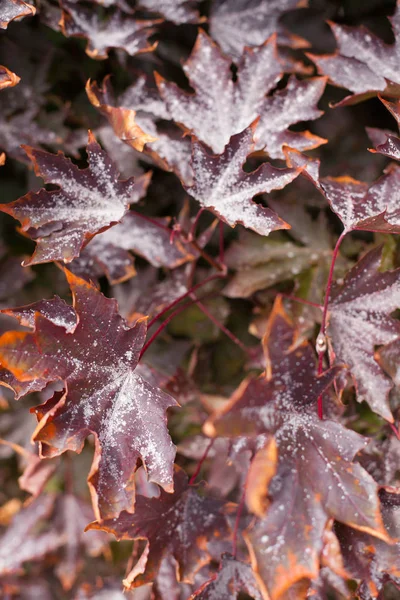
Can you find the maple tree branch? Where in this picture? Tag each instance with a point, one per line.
(192, 231)
(207, 257)
(185, 295)
(186, 238)
(321, 339)
(201, 461)
(168, 320)
(302, 301)
(222, 327)
(395, 430)
(152, 221)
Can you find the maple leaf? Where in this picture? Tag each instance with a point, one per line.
(16, 427)
(332, 576)
(390, 144)
(141, 107)
(233, 577)
(235, 24)
(88, 201)
(122, 120)
(124, 156)
(19, 544)
(362, 207)
(363, 63)
(117, 30)
(388, 358)
(359, 319)
(14, 9)
(295, 103)
(372, 561)
(102, 395)
(146, 295)
(149, 238)
(220, 183)
(261, 262)
(36, 471)
(239, 104)
(166, 584)
(71, 515)
(13, 277)
(224, 470)
(18, 125)
(191, 519)
(55, 310)
(7, 78)
(59, 313)
(177, 11)
(285, 543)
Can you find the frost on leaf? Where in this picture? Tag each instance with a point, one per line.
(237, 105)
(7, 78)
(315, 477)
(56, 310)
(295, 103)
(232, 578)
(117, 30)
(359, 319)
(176, 11)
(363, 63)
(221, 184)
(109, 251)
(19, 544)
(190, 519)
(234, 105)
(366, 208)
(61, 222)
(235, 24)
(14, 9)
(103, 395)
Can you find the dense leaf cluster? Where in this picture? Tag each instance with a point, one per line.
(199, 332)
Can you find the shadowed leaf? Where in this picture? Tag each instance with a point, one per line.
(233, 577)
(190, 518)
